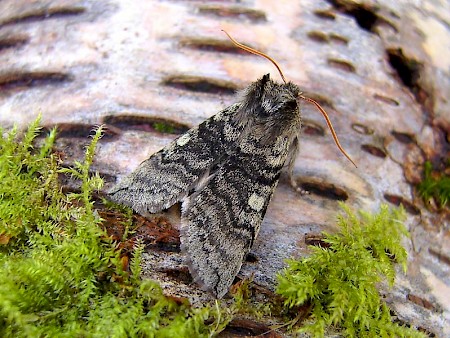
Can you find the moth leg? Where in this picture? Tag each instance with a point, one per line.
(293, 152)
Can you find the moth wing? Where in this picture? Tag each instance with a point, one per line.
(222, 219)
(168, 175)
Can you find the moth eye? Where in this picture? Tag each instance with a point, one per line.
(291, 105)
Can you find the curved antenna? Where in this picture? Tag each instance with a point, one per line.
(330, 126)
(257, 52)
(324, 113)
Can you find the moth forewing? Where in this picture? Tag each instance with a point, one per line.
(168, 175)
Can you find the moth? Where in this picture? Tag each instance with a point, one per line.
(224, 171)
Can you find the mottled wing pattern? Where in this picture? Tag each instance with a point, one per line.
(168, 175)
(225, 171)
(221, 220)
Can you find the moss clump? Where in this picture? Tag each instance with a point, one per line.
(28, 193)
(435, 185)
(60, 275)
(339, 282)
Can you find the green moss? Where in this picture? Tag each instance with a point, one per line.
(28, 193)
(164, 128)
(60, 275)
(435, 185)
(339, 283)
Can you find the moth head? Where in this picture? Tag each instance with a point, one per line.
(277, 96)
(269, 109)
(276, 101)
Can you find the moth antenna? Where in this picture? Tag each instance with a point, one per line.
(330, 126)
(257, 52)
(324, 113)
